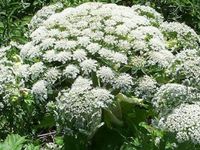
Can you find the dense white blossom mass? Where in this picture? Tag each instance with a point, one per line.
(185, 122)
(81, 58)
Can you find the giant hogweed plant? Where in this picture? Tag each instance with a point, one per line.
(110, 75)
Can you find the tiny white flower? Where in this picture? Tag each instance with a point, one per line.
(71, 71)
(81, 84)
(122, 30)
(39, 89)
(47, 43)
(83, 41)
(63, 56)
(23, 71)
(50, 56)
(124, 82)
(105, 74)
(52, 75)
(36, 69)
(79, 55)
(119, 58)
(88, 65)
(93, 48)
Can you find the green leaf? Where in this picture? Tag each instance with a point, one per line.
(132, 100)
(152, 130)
(47, 121)
(13, 142)
(59, 140)
(32, 147)
(109, 118)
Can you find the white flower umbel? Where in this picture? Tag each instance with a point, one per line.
(81, 111)
(83, 41)
(47, 43)
(22, 71)
(44, 14)
(93, 48)
(119, 58)
(106, 53)
(171, 95)
(88, 65)
(81, 84)
(102, 97)
(179, 36)
(63, 56)
(147, 38)
(79, 55)
(186, 64)
(106, 74)
(6, 78)
(29, 51)
(161, 58)
(50, 56)
(36, 69)
(184, 121)
(146, 87)
(71, 71)
(123, 82)
(39, 89)
(39, 34)
(77, 113)
(52, 75)
(186, 54)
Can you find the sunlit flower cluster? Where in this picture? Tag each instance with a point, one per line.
(179, 36)
(43, 14)
(186, 68)
(185, 122)
(81, 106)
(8, 83)
(149, 12)
(89, 47)
(170, 95)
(79, 59)
(146, 87)
(92, 41)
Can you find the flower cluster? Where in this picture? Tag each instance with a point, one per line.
(81, 106)
(146, 87)
(44, 14)
(170, 95)
(185, 67)
(15, 97)
(79, 59)
(149, 12)
(185, 122)
(85, 50)
(179, 36)
(93, 41)
(8, 83)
